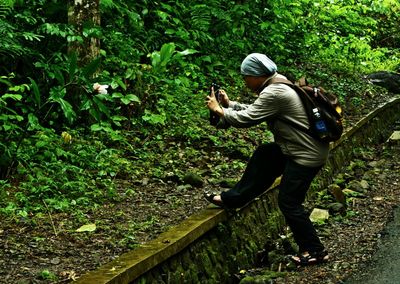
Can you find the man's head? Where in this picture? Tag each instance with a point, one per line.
(256, 68)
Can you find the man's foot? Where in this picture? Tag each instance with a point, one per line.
(214, 199)
(309, 258)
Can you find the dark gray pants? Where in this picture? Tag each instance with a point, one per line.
(266, 164)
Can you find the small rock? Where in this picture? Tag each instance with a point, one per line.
(172, 176)
(145, 181)
(184, 187)
(382, 176)
(394, 138)
(55, 261)
(193, 179)
(373, 164)
(352, 193)
(319, 215)
(356, 186)
(337, 192)
(378, 198)
(364, 184)
(370, 175)
(336, 207)
(345, 265)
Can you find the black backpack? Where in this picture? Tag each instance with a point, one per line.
(323, 110)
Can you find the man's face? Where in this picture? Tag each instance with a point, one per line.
(253, 82)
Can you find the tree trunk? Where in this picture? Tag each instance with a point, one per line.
(84, 14)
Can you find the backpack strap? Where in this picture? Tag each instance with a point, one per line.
(303, 82)
(303, 97)
(275, 80)
(297, 87)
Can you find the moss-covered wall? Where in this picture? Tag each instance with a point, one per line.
(374, 128)
(229, 247)
(209, 247)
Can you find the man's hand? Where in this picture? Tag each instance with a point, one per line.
(223, 98)
(213, 104)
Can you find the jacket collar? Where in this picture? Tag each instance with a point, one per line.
(265, 83)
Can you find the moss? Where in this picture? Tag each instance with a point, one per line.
(264, 277)
(153, 277)
(205, 262)
(177, 276)
(212, 255)
(175, 264)
(186, 259)
(194, 274)
(274, 223)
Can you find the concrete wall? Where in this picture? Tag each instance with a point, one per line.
(210, 246)
(225, 249)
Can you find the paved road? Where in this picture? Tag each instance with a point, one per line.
(385, 265)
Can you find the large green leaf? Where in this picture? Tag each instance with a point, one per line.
(91, 68)
(15, 97)
(102, 107)
(36, 93)
(161, 58)
(87, 228)
(187, 52)
(67, 109)
(166, 52)
(130, 98)
(33, 122)
(73, 65)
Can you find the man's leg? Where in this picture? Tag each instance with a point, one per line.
(266, 164)
(292, 193)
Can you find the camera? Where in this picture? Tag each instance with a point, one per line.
(214, 118)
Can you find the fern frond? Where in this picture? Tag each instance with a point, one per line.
(200, 17)
(9, 44)
(4, 10)
(109, 4)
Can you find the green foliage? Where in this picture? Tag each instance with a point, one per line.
(13, 40)
(158, 58)
(64, 174)
(338, 33)
(48, 275)
(11, 122)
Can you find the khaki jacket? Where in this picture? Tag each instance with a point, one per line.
(279, 101)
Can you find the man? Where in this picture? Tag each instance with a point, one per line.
(294, 154)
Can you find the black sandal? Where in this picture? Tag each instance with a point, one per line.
(210, 198)
(310, 258)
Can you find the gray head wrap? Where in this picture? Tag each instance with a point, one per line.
(257, 64)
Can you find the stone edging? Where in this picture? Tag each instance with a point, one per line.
(175, 254)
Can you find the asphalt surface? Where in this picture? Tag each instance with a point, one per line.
(384, 267)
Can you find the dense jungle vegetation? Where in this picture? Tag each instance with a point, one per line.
(65, 147)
